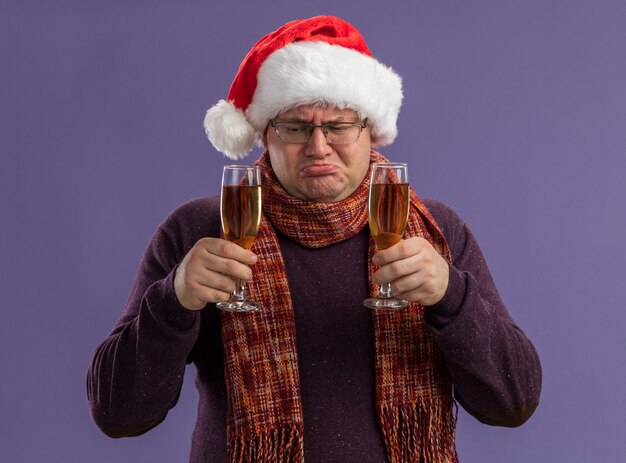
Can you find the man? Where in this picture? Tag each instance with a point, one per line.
(313, 375)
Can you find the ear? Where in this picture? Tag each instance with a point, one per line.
(373, 141)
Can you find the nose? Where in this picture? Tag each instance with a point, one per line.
(317, 145)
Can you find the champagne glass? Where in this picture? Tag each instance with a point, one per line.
(388, 213)
(240, 211)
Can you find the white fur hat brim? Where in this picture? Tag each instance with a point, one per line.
(310, 72)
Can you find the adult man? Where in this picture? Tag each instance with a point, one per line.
(353, 385)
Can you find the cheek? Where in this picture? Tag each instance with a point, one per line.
(362, 173)
(274, 153)
(282, 166)
(359, 164)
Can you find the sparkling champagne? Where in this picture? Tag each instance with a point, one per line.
(241, 213)
(388, 212)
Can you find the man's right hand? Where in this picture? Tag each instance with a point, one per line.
(208, 272)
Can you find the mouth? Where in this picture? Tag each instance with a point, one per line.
(316, 170)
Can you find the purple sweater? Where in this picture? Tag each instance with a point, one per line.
(137, 372)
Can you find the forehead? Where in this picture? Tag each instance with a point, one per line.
(308, 112)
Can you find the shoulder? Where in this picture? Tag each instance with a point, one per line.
(194, 219)
(451, 225)
(196, 207)
(447, 219)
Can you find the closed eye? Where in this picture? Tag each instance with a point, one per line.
(339, 129)
(296, 128)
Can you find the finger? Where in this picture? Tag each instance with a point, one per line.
(201, 260)
(194, 290)
(215, 281)
(422, 286)
(204, 295)
(212, 295)
(412, 296)
(396, 269)
(409, 283)
(420, 295)
(225, 266)
(401, 250)
(228, 250)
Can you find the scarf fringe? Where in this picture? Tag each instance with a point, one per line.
(275, 446)
(419, 432)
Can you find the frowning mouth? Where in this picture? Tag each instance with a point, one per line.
(315, 170)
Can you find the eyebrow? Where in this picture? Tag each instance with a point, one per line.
(332, 121)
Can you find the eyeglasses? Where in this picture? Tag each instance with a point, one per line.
(337, 133)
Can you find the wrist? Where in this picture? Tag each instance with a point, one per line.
(443, 311)
(170, 307)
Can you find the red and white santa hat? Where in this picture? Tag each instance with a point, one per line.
(317, 60)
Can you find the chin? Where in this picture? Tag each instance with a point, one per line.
(320, 189)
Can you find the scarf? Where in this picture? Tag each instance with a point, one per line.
(414, 404)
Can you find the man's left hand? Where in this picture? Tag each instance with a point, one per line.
(415, 269)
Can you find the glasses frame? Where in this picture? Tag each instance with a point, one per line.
(325, 127)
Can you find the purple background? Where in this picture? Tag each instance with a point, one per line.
(514, 114)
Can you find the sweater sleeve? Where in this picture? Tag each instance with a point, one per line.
(137, 372)
(494, 367)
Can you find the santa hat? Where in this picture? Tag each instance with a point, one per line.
(317, 60)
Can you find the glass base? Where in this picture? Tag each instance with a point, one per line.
(382, 303)
(238, 306)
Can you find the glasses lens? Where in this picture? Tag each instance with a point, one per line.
(294, 133)
(339, 134)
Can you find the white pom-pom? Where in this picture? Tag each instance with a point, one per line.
(228, 130)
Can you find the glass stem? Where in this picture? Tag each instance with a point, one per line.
(385, 291)
(238, 293)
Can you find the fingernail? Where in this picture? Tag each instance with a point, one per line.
(376, 260)
(253, 260)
